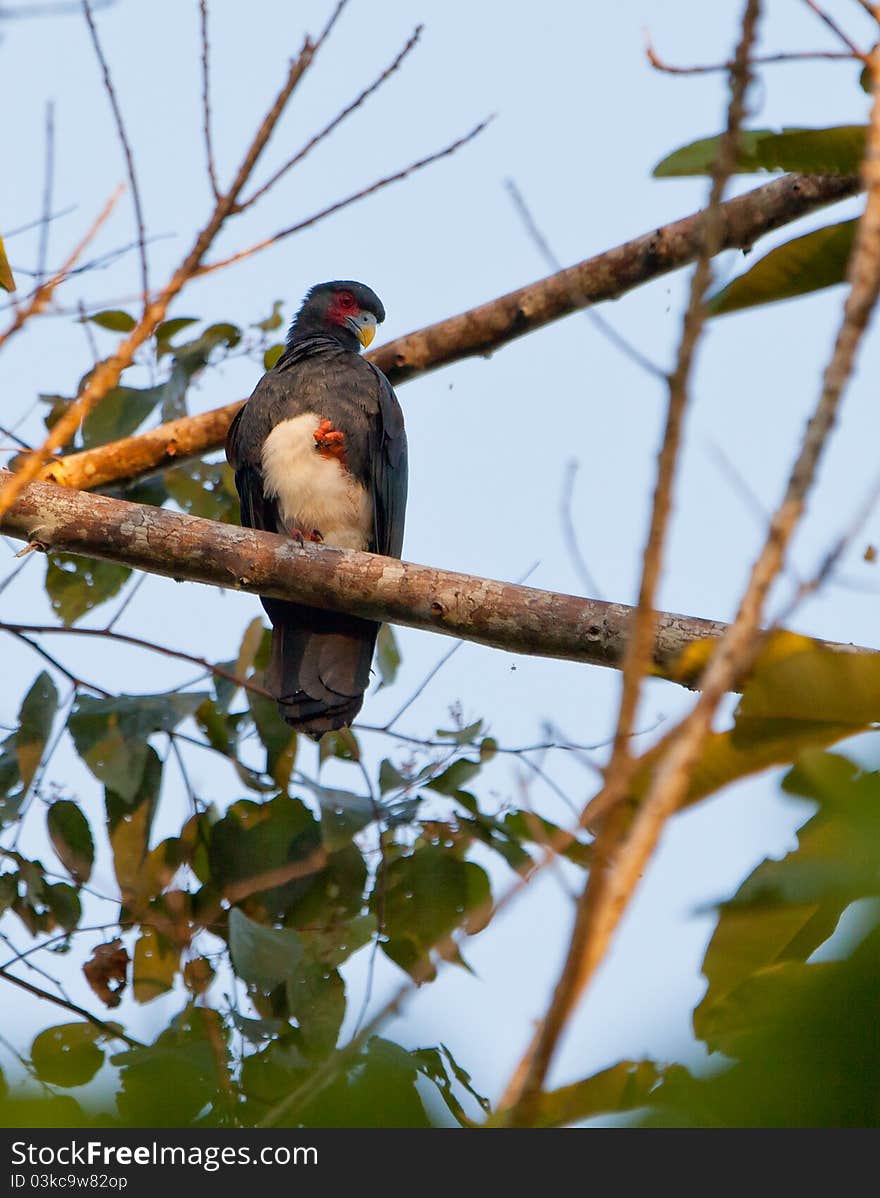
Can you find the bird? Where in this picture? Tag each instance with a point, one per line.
(320, 454)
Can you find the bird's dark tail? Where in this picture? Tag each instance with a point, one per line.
(319, 667)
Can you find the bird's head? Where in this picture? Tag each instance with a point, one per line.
(343, 309)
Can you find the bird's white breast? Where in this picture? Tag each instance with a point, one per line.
(314, 492)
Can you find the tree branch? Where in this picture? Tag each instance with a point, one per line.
(486, 328)
(499, 614)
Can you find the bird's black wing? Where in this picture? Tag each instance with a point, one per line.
(389, 471)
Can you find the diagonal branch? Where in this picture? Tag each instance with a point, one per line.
(501, 615)
(106, 374)
(580, 960)
(482, 330)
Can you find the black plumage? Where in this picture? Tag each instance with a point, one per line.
(320, 661)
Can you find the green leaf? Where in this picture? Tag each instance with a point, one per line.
(747, 942)
(7, 282)
(119, 414)
(699, 157)
(343, 745)
(527, 826)
(805, 264)
(832, 151)
(169, 328)
(63, 901)
(193, 355)
(787, 908)
(35, 720)
(455, 776)
(379, 1089)
(254, 838)
(316, 1000)
(110, 735)
(114, 319)
(77, 584)
(272, 322)
(147, 796)
(169, 1082)
(390, 777)
(462, 736)
(422, 898)
(156, 963)
(272, 354)
(387, 655)
(12, 793)
(71, 838)
(623, 1087)
(277, 736)
(343, 815)
(797, 679)
(440, 1066)
(262, 955)
(336, 942)
(67, 1055)
(204, 489)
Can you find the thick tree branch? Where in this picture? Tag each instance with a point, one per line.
(486, 328)
(499, 614)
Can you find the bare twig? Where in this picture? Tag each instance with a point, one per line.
(107, 373)
(206, 98)
(21, 630)
(112, 1031)
(337, 120)
(371, 189)
(48, 181)
(836, 30)
(126, 148)
(605, 327)
(43, 293)
(570, 534)
(760, 60)
(55, 663)
(587, 944)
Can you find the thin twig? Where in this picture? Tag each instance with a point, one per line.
(106, 374)
(48, 182)
(206, 99)
(586, 944)
(605, 327)
(55, 663)
(836, 30)
(111, 1030)
(378, 185)
(337, 120)
(126, 149)
(42, 294)
(570, 535)
(759, 61)
(132, 591)
(139, 642)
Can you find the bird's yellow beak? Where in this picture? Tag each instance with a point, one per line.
(366, 333)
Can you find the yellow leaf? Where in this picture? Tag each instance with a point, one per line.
(7, 282)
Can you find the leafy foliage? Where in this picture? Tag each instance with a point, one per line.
(834, 151)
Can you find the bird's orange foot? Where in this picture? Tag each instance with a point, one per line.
(301, 537)
(330, 442)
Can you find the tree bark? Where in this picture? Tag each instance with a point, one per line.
(486, 328)
(499, 614)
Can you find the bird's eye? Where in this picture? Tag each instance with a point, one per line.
(346, 299)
